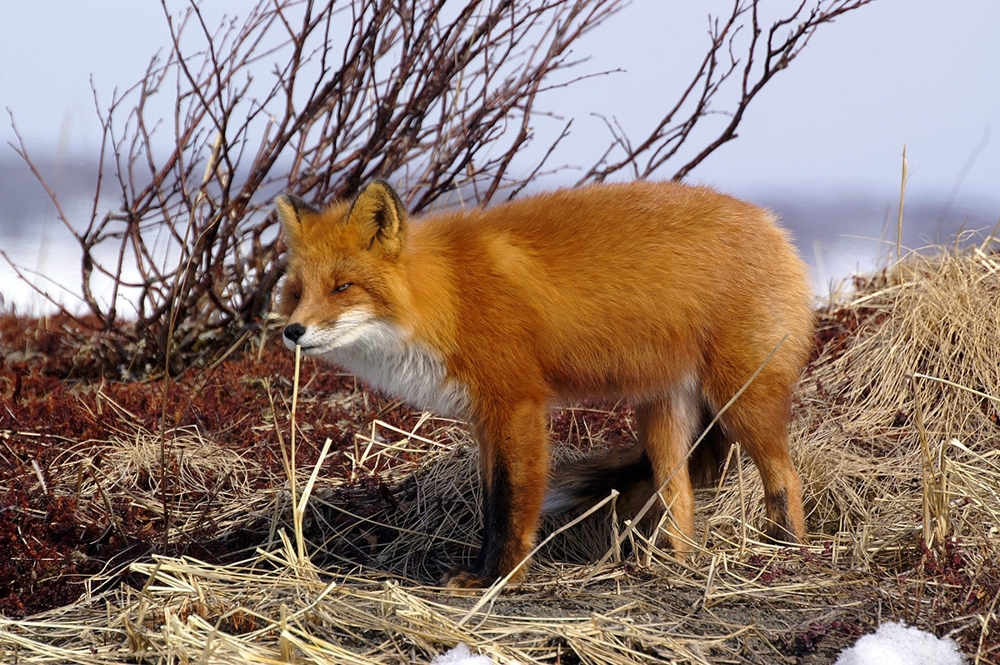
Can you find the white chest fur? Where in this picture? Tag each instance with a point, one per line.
(385, 357)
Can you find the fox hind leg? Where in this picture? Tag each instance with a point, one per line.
(759, 421)
(667, 426)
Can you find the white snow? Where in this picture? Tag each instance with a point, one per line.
(899, 644)
(460, 655)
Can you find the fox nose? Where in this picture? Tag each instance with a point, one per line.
(294, 332)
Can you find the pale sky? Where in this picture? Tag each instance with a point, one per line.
(918, 72)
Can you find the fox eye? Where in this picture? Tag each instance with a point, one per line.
(343, 287)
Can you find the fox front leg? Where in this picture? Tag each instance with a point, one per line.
(514, 469)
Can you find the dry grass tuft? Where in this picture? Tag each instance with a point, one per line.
(206, 480)
(896, 434)
(899, 417)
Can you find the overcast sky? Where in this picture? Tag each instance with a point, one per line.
(923, 73)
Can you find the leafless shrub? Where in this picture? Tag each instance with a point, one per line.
(746, 62)
(439, 96)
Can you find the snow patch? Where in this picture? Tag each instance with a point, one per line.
(899, 644)
(460, 655)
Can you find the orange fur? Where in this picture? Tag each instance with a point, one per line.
(666, 294)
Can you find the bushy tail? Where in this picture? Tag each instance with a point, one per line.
(579, 484)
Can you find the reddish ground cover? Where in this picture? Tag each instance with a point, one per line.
(53, 397)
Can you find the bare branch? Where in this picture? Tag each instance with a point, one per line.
(319, 96)
(737, 44)
(436, 96)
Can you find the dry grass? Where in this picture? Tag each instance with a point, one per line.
(896, 434)
(901, 417)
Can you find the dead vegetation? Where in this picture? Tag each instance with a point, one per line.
(896, 435)
(176, 521)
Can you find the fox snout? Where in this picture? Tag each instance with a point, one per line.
(293, 333)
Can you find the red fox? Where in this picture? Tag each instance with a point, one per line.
(668, 295)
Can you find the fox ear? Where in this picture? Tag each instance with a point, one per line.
(291, 212)
(380, 216)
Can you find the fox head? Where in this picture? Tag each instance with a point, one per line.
(343, 282)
